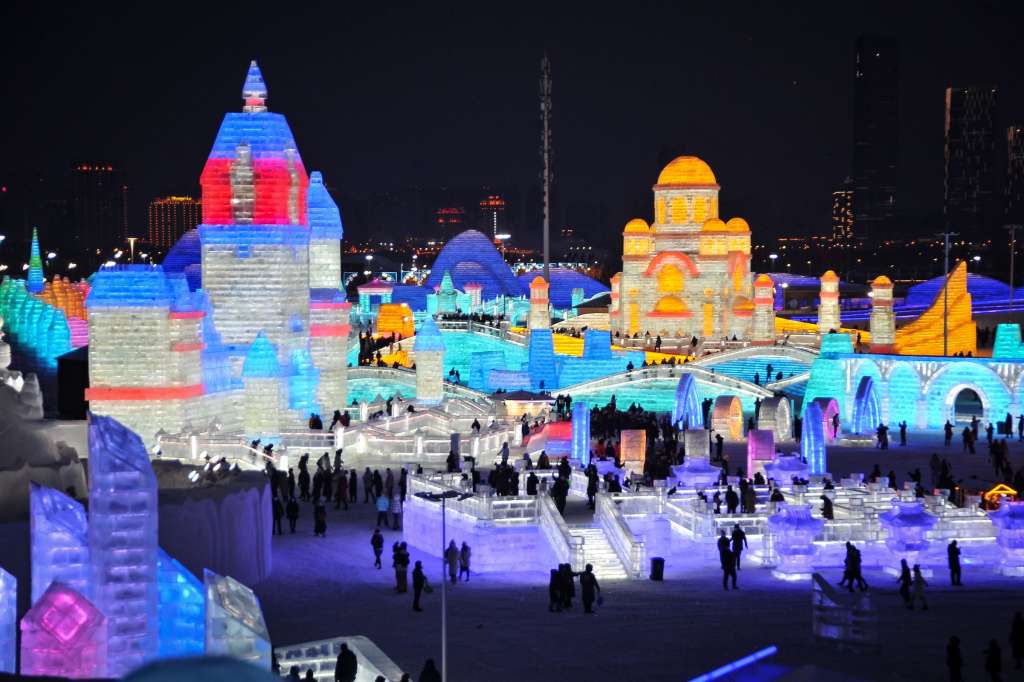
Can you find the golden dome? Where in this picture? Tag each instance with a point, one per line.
(881, 281)
(636, 225)
(830, 276)
(687, 170)
(763, 281)
(737, 225)
(713, 225)
(539, 283)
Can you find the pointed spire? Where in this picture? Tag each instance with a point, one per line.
(254, 91)
(36, 281)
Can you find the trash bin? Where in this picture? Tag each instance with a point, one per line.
(657, 568)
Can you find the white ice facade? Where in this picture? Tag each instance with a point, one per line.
(164, 357)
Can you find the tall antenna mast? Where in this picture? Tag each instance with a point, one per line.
(545, 150)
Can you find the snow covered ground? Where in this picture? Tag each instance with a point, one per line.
(499, 627)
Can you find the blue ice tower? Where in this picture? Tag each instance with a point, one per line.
(542, 360)
(8, 622)
(234, 621)
(581, 432)
(123, 542)
(60, 542)
(181, 610)
(812, 441)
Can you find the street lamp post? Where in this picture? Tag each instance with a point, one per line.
(442, 498)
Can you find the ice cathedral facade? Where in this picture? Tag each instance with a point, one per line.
(687, 273)
(163, 356)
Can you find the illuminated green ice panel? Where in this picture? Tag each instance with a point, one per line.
(460, 347)
(746, 368)
(367, 389)
(656, 395)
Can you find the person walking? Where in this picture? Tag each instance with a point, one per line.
(382, 510)
(555, 591)
(341, 491)
(739, 543)
(451, 557)
(347, 667)
(589, 588)
(353, 486)
(947, 431)
(292, 512)
(953, 554)
(994, 661)
(396, 513)
(903, 434)
(1017, 640)
(728, 570)
(954, 661)
(906, 581)
(377, 542)
(320, 518)
(732, 500)
(464, 554)
(419, 583)
(429, 672)
(278, 515)
(367, 485)
(918, 593)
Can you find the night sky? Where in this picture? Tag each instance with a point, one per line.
(434, 95)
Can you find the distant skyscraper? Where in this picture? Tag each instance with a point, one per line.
(451, 220)
(1014, 193)
(843, 212)
(99, 207)
(876, 134)
(171, 217)
(970, 155)
(492, 215)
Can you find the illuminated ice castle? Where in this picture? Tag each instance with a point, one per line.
(164, 356)
(687, 274)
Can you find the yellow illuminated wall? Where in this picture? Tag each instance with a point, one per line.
(787, 326)
(670, 279)
(397, 318)
(678, 209)
(659, 211)
(923, 336)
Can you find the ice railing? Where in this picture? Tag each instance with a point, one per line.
(567, 548)
(198, 449)
(322, 656)
(630, 548)
(483, 506)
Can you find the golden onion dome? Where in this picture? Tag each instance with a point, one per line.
(830, 276)
(881, 281)
(687, 170)
(737, 225)
(713, 225)
(763, 281)
(636, 226)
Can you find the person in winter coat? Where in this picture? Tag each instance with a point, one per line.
(739, 543)
(464, 554)
(303, 483)
(531, 484)
(383, 504)
(953, 555)
(906, 581)
(377, 542)
(320, 518)
(954, 661)
(353, 486)
(591, 486)
(367, 485)
(291, 484)
(732, 500)
(341, 491)
(994, 661)
(347, 667)
(292, 512)
(589, 588)
(451, 557)
(555, 591)
(402, 569)
(918, 592)
(278, 515)
(419, 581)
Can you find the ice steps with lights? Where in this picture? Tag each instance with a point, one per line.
(598, 552)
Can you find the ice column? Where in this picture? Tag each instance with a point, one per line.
(328, 344)
(8, 621)
(64, 635)
(60, 542)
(234, 621)
(123, 541)
(540, 317)
(763, 326)
(429, 349)
(264, 390)
(581, 432)
(882, 320)
(828, 304)
(1009, 519)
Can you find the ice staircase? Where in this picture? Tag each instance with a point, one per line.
(598, 552)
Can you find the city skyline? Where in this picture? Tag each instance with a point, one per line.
(412, 114)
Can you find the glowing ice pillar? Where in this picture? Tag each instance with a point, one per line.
(234, 621)
(123, 541)
(181, 610)
(8, 621)
(429, 349)
(60, 542)
(687, 412)
(812, 439)
(882, 320)
(760, 450)
(905, 525)
(581, 432)
(264, 390)
(328, 344)
(763, 326)
(828, 304)
(795, 529)
(1009, 519)
(64, 635)
(540, 317)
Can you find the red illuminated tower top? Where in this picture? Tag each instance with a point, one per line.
(254, 174)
